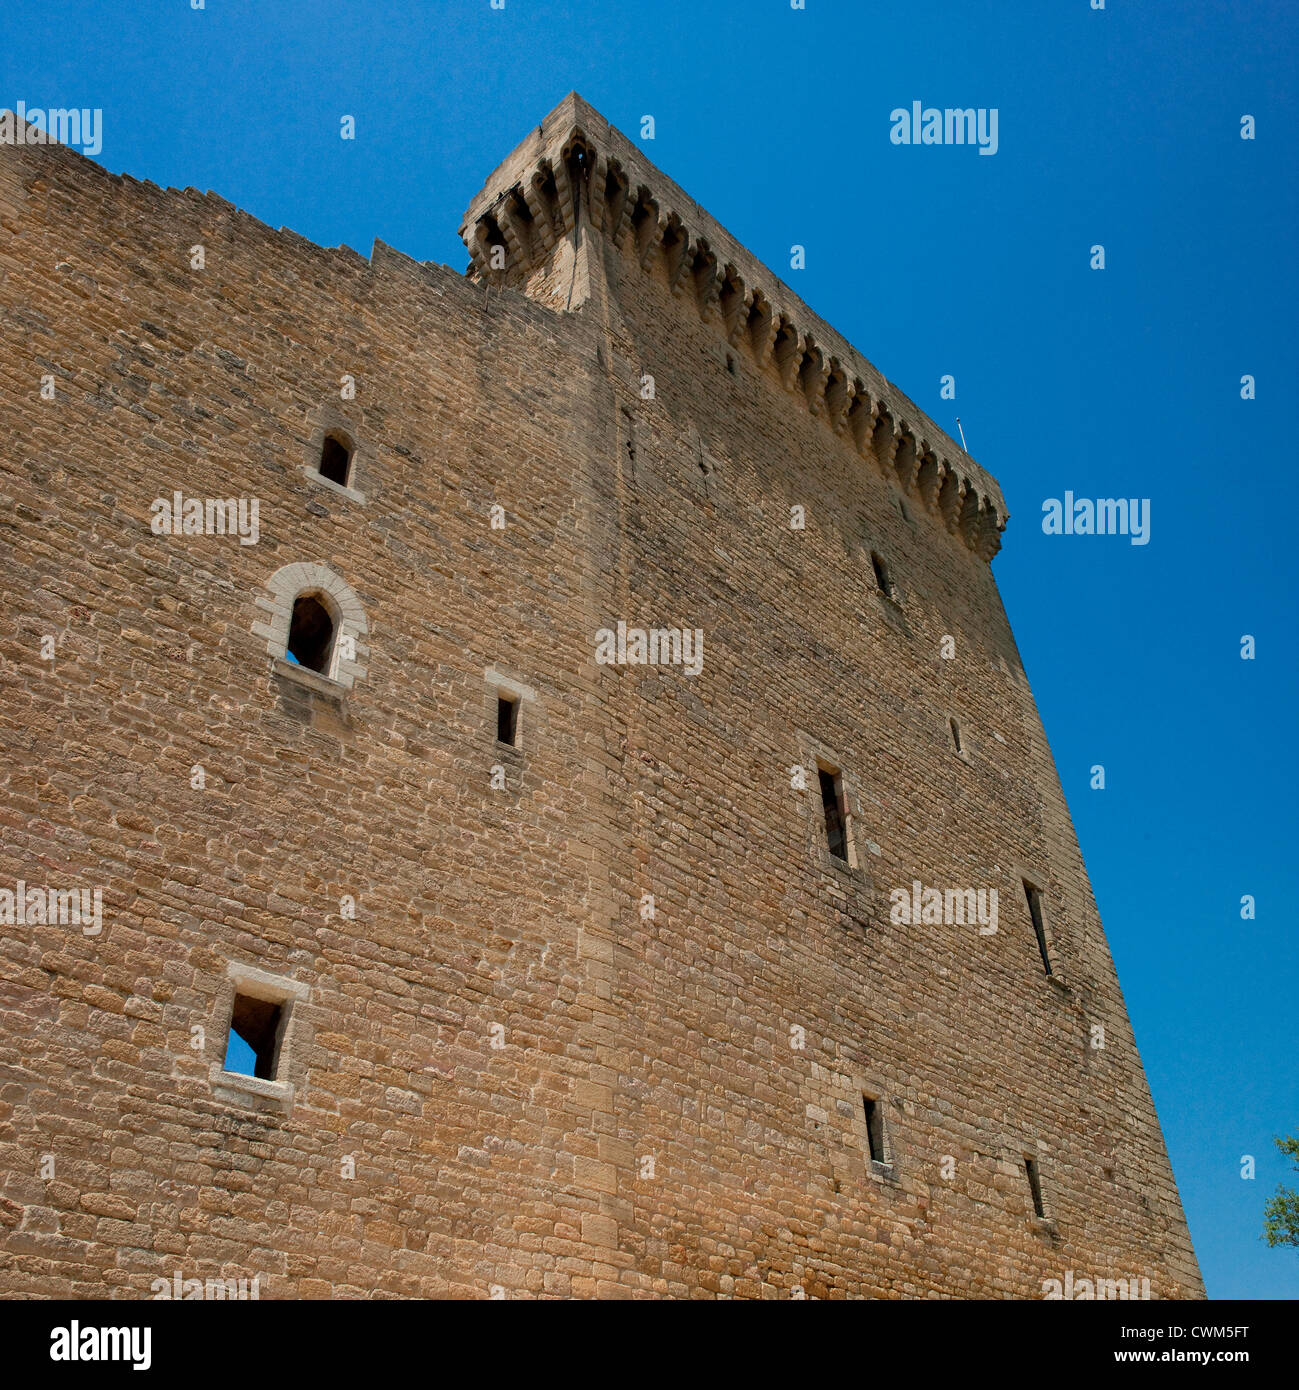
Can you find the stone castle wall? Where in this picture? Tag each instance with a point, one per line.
(506, 1074)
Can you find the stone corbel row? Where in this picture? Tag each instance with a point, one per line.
(533, 215)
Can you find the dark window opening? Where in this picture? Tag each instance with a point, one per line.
(874, 1129)
(507, 720)
(311, 634)
(882, 580)
(335, 460)
(730, 364)
(253, 1046)
(1035, 1186)
(832, 805)
(956, 734)
(1034, 897)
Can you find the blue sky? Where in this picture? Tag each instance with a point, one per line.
(239, 1056)
(1119, 127)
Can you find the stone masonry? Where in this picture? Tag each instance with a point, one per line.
(597, 1013)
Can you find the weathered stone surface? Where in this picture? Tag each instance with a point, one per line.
(503, 1075)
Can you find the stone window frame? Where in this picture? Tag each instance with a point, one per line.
(816, 755)
(1025, 1151)
(885, 1169)
(496, 684)
(1034, 875)
(329, 420)
(302, 579)
(291, 1048)
(838, 1090)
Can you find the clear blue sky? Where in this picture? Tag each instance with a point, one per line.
(239, 1056)
(1119, 127)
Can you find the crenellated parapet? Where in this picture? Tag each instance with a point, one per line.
(575, 170)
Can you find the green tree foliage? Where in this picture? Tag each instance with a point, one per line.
(1281, 1215)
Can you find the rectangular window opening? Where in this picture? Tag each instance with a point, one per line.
(507, 720)
(956, 734)
(874, 1129)
(882, 580)
(833, 806)
(1034, 896)
(252, 1048)
(1035, 1186)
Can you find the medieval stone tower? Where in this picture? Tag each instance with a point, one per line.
(544, 779)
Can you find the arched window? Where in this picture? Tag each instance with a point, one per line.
(311, 620)
(311, 634)
(335, 458)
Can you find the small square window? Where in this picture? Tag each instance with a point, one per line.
(263, 1033)
(335, 459)
(253, 1044)
(507, 720)
(504, 697)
